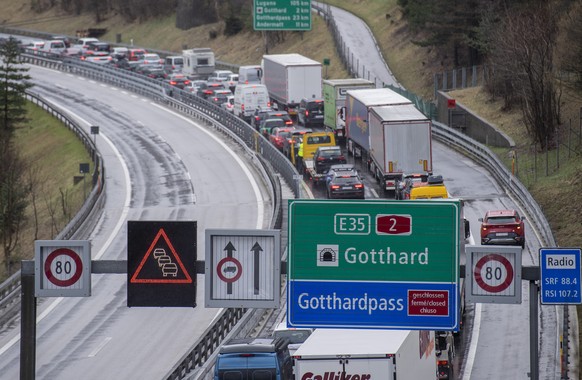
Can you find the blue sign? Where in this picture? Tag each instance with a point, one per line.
(383, 305)
(560, 276)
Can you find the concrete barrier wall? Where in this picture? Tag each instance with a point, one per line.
(464, 120)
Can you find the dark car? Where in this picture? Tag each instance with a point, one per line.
(219, 97)
(268, 113)
(97, 48)
(268, 125)
(154, 72)
(502, 227)
(207, 89)
(310, 112)
(178, 80)
(326, 156)
(343, 181)
(294, 141)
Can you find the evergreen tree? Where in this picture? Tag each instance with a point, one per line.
(13, 191)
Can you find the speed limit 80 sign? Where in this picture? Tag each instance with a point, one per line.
(493, 274)
(62, 268)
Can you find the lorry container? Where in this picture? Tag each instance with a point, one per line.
(400, 142)
(366, 355)
(198, 63)
(290, 78)
(334, 99)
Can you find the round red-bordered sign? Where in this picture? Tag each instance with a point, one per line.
(75, 276)
(221, 264)
(493, 288)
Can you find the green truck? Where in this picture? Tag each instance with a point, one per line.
(334, 97)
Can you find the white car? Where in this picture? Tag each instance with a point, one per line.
(229, 105)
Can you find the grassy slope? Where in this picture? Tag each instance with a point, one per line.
(54, 154)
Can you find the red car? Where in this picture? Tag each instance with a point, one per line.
(503, 227)
(278, 136)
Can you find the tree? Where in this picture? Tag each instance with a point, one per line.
(522, 55)
(13, 192)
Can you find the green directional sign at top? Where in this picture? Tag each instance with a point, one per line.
(282, 14)
(407, 241)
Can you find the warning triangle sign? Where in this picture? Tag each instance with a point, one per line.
(161, 264)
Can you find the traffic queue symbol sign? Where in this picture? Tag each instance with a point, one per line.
(164, 262)
(242, 267)
(560, 282)
(161, 263)
(374, 264)
(494, 274)
(62, 268)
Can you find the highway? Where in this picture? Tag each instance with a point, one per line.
(159, 166)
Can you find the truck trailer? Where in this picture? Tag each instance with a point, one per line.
(290, 78)
(334, 98)
(400, 142)
(386, 163)
(333, 354)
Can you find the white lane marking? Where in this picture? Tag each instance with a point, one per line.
(99, 347)
(245, 170)
(470, 359)
(116, 230)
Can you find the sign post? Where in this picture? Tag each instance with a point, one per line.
(374, 264)
(560, 276)
(493, 274)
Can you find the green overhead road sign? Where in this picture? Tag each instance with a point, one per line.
(282, 14)
(374, 264)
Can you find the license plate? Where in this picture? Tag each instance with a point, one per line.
(348, 187)
(319, 116)
(502, 234)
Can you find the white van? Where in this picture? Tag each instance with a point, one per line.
(54, 47)
(250, 74)
(248, 97)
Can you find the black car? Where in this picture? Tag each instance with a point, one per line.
(178, 80)
(154, 72)
(310, 112)
(343, 181)
(266, 113)
(326, 156)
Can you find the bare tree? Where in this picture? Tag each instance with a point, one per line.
(522, 54)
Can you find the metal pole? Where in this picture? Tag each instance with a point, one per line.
(533, 331)
(27, 326)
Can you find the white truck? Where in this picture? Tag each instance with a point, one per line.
(366, 355)
(290, 78)
(198, 63)
(334, 98)
(395, 142)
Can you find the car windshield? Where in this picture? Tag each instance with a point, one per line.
(500, 220)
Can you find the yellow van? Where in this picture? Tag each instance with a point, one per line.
(433, 190)
(313, 140)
